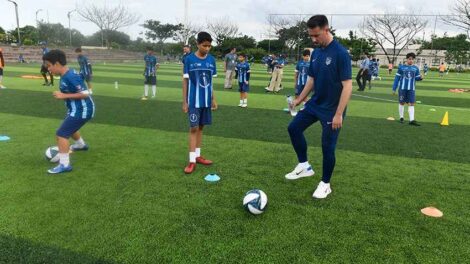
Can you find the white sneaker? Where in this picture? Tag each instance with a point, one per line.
(322, 191)
(300, 172)
(240, 104)
(244, 105)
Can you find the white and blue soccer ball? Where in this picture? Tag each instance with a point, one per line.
(52, 154)
(255, 201)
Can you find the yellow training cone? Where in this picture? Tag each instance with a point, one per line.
(445, 120)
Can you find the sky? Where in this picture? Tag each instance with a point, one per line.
(250, 15)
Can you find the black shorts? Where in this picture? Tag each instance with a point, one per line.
(44, 69)
(1, 71)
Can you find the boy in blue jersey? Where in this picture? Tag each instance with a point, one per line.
(301, 74)
(198, 96)
(80, 105)
(186, 52)
(85, 69)
(243, 75)
(44, 69)
(151, 66)
(405, 81)
(425, 69)
(330, 77)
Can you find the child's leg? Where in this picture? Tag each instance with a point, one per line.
(90, 86)
(52, 78)
(199, 141)
(45, 77)
(401, 109)
(193, 135)
(411, 111)
(64, 146)
(79, 142)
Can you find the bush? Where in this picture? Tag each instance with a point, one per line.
(257, 53)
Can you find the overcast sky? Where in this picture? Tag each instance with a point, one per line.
(250, 15)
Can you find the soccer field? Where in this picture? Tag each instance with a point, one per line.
(128, 200)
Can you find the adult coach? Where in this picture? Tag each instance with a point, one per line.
(330, 77)
(230, 62)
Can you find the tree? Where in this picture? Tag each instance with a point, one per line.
(275, 46)
(155, 30)
(222, 28)
(29, 34)
(357, 46)
(457, 48)
(393, 30)
(54, 34)
(460, 17)
(107, 19)
(183, 34)
(240, 43)
(118, 38)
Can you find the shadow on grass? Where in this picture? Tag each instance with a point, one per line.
(361, 134)
(16, 250)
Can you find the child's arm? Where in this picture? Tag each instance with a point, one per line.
(185, 95)
(62, 96)
(397, 80)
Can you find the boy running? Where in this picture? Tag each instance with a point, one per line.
(80, 105)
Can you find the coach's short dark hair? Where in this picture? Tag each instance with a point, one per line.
(317, 21)
(54, 56)
(78, 50)
(187, 46)
(203, 36)
(306, 52)
(411, 54)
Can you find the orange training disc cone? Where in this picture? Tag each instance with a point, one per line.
(432, 212)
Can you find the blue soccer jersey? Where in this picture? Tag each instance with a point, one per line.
(45, 51)
(199, 73)
(185, 55)
(85, 65)
(302, 70)
(71, 82)
(329, 66)
(406, 78)
(243, 70)
(150, 65)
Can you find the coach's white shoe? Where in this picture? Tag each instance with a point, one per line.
(300, 172)
(322, 191)
(244, 105)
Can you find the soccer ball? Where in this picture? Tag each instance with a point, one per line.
(255, 201)
(52, 154)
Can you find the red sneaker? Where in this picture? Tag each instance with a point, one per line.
(203, 161)
(190, 168)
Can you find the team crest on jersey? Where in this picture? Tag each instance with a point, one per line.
(328, 61)
(203, 80)
(193, 118)
(408, 75)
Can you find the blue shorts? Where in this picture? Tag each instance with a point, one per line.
(152, 80)
(70, 126)
(200, 116)
(406, 96)
(299, 88)
(87, 77)
(243, 87)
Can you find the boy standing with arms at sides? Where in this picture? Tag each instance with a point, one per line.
(405, 81)
(186, 52)
(151, 66)
(2, 65)
(44, 70)
(426, 69)
(276, 77)
(198, 96)
(243, 72)
(80, 105)
(230, 62)
(85, 69)
(301, 74)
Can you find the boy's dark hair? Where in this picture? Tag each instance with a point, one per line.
(306, 52)
(203, 36)
(242, 54)
(78, 50)
(411, 54)
(317, 21)
(54, 56)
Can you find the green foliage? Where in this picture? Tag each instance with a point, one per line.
(457, 48)
(273, 46)
(357, 46)
(116, 38)
(256, 53)
(155, 30)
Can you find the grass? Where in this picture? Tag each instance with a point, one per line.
(128, 201)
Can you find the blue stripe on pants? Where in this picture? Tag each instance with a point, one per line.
(296, 129)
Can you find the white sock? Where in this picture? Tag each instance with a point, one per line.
(245, 101)
(1, 79)
(198, 152)
(401, 110)
(154, 90)
(411, 112)
(192, 157)
(80, 142)
(146, 90)
(304, 164)
(64, 159)
(241, 101)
